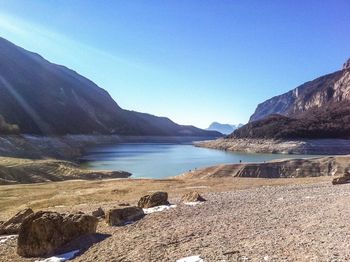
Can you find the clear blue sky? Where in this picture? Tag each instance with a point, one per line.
(192, 61)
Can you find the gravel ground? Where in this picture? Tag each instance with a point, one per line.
(277, 223)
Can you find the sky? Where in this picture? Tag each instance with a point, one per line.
(194, 61)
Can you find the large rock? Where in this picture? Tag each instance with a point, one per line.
(122, 216)
(12, 226)
(193, 196)
(44, 233)
(155, 199)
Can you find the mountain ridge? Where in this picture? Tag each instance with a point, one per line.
(43, 98)
(316, 109)
(223, 128)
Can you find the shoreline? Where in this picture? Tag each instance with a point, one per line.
(330, 166)
(302, 147)
(71, 147)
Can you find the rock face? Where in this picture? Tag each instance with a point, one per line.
(192, 197)
(122, 216)
(13, 224)
(331, 88)
(317, 109)
(39, 97)
(346, 64)
(43, 233)
(155, 199)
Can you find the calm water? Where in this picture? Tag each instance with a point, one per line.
(159, 160)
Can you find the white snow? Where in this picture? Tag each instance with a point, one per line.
(193, 203)
(194, 187)
(4, 239)
(157, 209)
(60, 258)
(190, 259)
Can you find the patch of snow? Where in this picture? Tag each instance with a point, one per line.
(190, 259)
(309, 197)
(281, 198)
(194, 187)
(60, 258)
(193, 203)
(4, 239)
(157, 209)
(266, 258)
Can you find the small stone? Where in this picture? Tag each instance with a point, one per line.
(192, 197)
(122, 216)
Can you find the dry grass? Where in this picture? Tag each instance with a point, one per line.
(76, 192)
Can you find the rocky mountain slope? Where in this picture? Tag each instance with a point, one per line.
(223, 128)
(39, 97)
(323, 91)
(316, 109)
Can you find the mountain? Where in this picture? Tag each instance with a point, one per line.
(322, 91)
(42, 98)
(223, 128)
(317, 109)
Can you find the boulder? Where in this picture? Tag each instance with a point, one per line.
(193, 196)
(155, 199)
(122, 216)
(99, 213)
(44, 233)
(12, 225)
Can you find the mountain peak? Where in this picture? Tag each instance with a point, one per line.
(346, 65)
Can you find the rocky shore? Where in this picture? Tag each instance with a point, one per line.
(292, 168)
(307, 146)
(23, 171)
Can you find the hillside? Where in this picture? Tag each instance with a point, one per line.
(42, 98)
(316, 109)
(322, 91)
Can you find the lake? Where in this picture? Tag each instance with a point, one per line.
(160, 160)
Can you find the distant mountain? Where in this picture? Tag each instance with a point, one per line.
(223, 128)
(39, 97)
(317, 109)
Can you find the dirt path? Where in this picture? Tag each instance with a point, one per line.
(270, 223)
